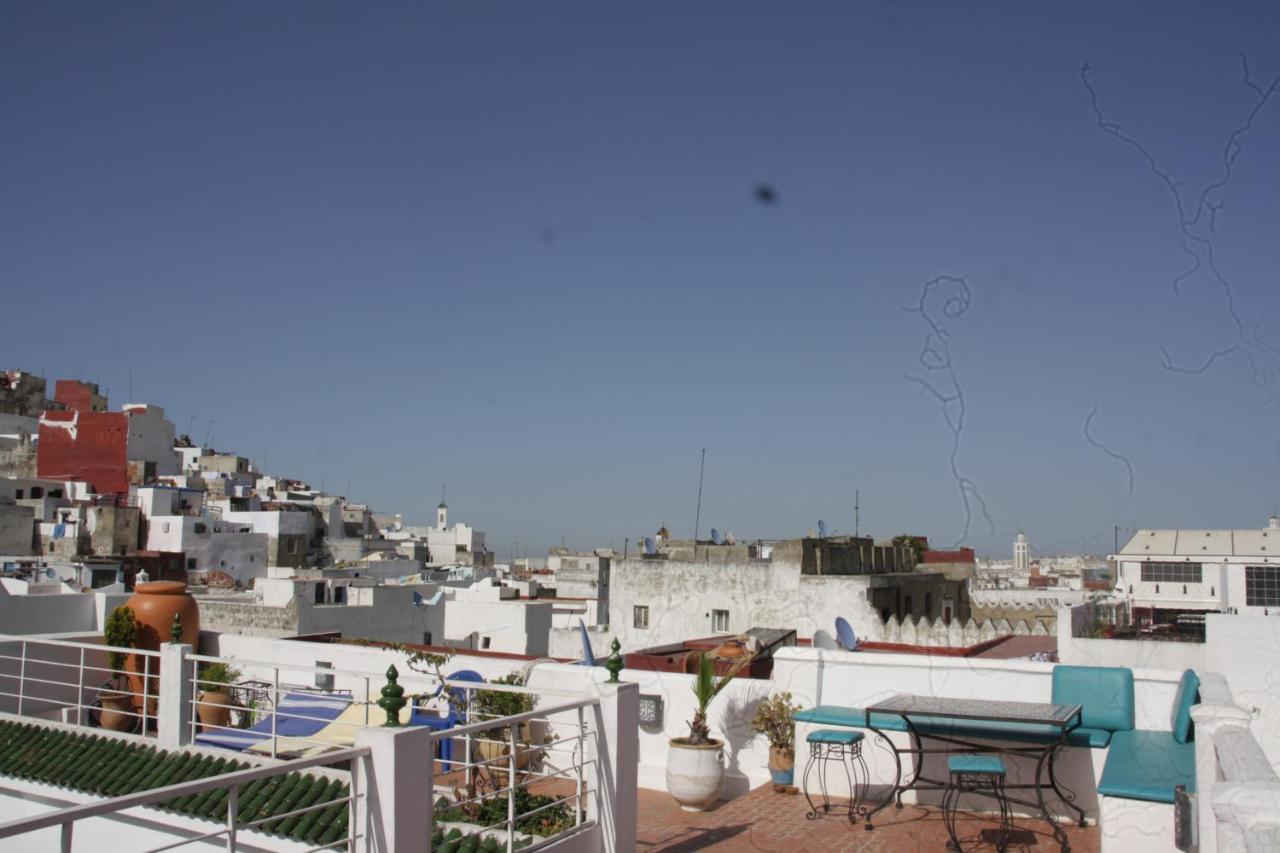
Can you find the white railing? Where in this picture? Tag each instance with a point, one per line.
(66, 818)
(489, 756)
(52, 679)
(520, 761)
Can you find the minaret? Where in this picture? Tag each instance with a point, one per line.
(1021, 555)
(442, 516)
(1273, 523)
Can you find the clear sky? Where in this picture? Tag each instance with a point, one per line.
(517, 247)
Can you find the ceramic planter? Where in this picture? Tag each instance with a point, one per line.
(782, 766)
(214, 709)
(117, 710)
(695, 773)
(154, 605)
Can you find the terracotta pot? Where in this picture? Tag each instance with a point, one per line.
(782, 766)
(214, 709)
(117, 707)
(154, 605)
(731, 649)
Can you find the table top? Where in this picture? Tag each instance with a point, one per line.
(907, 704)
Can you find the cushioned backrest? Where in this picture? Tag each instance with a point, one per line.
(1188, 694)
(1104, 692)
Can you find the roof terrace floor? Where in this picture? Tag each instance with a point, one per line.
(766, 821)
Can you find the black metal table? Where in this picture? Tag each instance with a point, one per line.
(915, 710)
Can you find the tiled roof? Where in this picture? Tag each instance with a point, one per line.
(112, 767)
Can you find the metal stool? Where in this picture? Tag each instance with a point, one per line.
(825, 746)
(976, 773)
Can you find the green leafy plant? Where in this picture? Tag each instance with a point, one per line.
(706, 687)
(775, 719)
(490, 704)
(119, 631)
(218, 674)
(492, 811)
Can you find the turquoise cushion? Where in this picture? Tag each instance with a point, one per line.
(835, 736)
(976, 764)
(1188, 694)
(1105, 694)
(837, 715)
(1144, 765)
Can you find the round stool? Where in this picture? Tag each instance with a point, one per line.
(976, 773)
(826, 746)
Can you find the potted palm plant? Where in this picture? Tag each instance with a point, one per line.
(215, 702)
(775, 719)
(117, 704)
(695, 764)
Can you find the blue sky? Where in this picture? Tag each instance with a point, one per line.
(515, 247)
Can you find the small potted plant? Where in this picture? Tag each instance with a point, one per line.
(695, 764)
(493, 744)
(775, 719)
(215, 702)
(117, 704)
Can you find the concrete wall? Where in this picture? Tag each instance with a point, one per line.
(218, 547)
(17, 528)
(681, 596)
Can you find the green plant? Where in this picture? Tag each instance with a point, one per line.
(119, 631)
(775, 719)
(492, 811)
(218, 674)
(706, 687)
(490, 704)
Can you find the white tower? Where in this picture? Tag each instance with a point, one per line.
(1021, 555)
(442, 516)
(1273, 523)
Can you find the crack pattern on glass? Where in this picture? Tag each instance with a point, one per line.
(941, 382)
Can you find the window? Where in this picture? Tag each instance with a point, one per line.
(198, 527)
(37, 492)
(18, 494)
(1171, 573)
(319, 593)
(1262, 586)
(426, 638)
(640, 615)
(166, 527)
(719, 620)
(191, 564)
(292, 546)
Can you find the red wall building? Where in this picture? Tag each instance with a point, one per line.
(89, 446)
(79, 396)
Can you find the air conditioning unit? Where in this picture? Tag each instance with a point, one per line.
(324, 680)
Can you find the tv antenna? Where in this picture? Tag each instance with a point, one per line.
(697, 519)
(857, 522)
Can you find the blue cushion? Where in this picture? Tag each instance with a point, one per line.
(835, 736)
(976, 764)
(1105, 694)
(1144, 765)
(1188, 694)
(838, 715)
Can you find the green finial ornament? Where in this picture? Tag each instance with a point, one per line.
(175, 630)
(614, 663)
(392, 698)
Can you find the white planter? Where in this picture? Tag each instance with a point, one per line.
(695, 774)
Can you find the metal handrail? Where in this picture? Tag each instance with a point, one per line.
(233, 780)
(71, 644)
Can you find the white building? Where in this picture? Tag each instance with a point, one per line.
(1208, 570)
(1021, 555)
(488, 616)
(211, 545)
(447, 545)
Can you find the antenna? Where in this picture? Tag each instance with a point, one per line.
(822, 529)
(697, 520)
(857, 522)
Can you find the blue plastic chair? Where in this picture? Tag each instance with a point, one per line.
(452, 717)
(845, 636)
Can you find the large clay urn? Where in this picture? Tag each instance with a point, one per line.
(154, 605)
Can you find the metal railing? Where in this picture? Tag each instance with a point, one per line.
(51, 679)
(233, 782)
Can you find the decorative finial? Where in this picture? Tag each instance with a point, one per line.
(392, 698)
(175, 630)
(614, 663)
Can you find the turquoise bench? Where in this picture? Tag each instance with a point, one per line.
(1148, 765)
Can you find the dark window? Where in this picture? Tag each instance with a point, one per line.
(1171, 573)
(55, 493)
(928, 604)
(198, 527)
(191, 564)
(18, 494)
(1262, 586)
(640, 616)
(37, 492)
(339, 595)
(426, 638)
(319, 593)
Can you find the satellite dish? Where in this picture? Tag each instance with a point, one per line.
(730, 539)
(822, 529)
(649, 547)
(823, 640)
(715, 536)
(845, 636)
